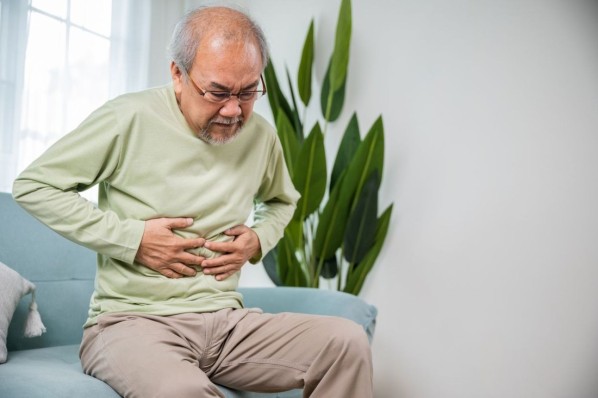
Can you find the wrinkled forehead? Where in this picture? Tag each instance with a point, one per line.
(228, 55)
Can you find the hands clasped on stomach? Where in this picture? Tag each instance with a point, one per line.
(169, 254)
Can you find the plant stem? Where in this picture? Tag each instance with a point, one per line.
(340, 274)
(319, 269)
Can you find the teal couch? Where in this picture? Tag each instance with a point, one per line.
(63, 272)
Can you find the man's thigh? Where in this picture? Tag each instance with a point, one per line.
(278, 352)
(146, 356)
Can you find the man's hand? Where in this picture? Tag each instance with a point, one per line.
(234, 254)
(164, 252)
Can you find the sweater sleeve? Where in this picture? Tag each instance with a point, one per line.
(49, 188)
(276, 202)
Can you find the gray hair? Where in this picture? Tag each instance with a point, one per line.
(193, 26)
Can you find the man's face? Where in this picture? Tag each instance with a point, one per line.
(219, 66)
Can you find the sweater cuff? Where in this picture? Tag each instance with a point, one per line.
(133, 229)
(265, 247)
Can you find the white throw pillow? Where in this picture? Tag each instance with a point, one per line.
(12, 288)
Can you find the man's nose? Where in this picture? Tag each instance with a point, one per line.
(231, 108)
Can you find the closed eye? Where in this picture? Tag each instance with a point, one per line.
(219, 95)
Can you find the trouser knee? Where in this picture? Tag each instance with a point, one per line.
(349, 338)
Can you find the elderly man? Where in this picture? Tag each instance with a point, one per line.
(179, 169)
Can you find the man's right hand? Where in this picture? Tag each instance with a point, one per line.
(164, 252)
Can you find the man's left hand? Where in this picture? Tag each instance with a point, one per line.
(235, 254)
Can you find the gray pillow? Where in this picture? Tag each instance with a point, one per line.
(12, 288)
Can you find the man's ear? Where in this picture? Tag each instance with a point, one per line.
(177, 77)
(175, 71)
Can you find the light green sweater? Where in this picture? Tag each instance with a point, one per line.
(149, 164)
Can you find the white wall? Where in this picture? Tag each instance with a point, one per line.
(487, 285)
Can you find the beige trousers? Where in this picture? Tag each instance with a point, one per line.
(184, 355)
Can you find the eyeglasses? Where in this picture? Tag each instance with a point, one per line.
(221, 96)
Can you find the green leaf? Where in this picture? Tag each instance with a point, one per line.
(346, 150)
(306, 66)
(270, 265)
(288, 140)
(356, 278)
(296, 119)
(331, 101)
(369, 157)
(342, 44)
(289, 268)
(329, 268)
(277, 100)
(332, 222)
(295, 231)
(310, 174)
(361, 227)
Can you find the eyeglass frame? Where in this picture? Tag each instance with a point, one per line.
(203, 92)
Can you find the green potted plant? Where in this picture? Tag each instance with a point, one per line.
(336, 233)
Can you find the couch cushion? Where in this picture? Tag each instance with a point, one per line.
(53, 372)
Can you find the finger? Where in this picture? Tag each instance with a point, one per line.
(221, 277)
(190, 259)
(236, 230)
(225, 269)
(193, 243)
(167, 272)
(174, 223)
(182, 269)
(222, 247)
(219, 262)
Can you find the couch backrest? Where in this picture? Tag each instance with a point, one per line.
(62, 271)
(313, 301)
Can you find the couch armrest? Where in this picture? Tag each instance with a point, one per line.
(312, 301)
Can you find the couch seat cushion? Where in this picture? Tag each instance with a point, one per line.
(53, 372)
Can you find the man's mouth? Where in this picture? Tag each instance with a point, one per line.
(230, 128)
(227, 122)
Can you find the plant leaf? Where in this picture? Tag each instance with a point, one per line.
(310, 174)
(329, 268)
(361, 227)
(306, 66)
(296, 119)
(290, 270)
(270, 265)
(295, 231)
(332, 222)
(346, 150)
(331, 101)
(368, 157)
(276, 98)
(356, 278)
(288, 140)
(342, 44)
